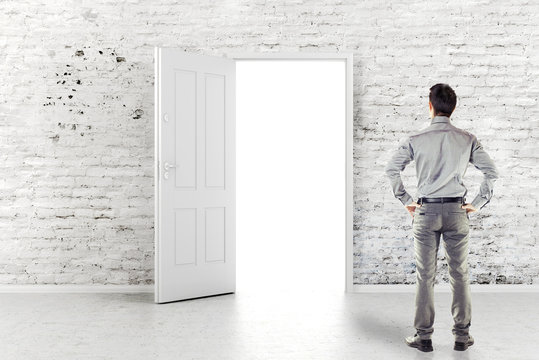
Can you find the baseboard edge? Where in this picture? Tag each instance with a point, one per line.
(68, 288)
(474, 288)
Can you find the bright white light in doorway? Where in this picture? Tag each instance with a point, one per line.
(290, 188)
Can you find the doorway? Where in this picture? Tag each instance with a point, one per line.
(291, 195)
(295, 215)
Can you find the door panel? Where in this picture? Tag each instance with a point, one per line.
(185, 122)
(215, 230)
(195, 175)
(215, 131)
(185, 236)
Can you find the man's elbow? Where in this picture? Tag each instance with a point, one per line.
(494, 174)
(391, 172)
(390, 168)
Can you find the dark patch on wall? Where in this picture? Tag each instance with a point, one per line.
(89, 15)
(484, 278)
(55, 138)
(123, 228)
(63, 79)
(73, 126)
(50, 102)
(138, 114)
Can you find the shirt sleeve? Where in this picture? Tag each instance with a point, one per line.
(482, 161)
(398, 161)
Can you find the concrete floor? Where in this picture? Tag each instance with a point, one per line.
(257, 326)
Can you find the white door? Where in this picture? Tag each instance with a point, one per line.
(195, 250)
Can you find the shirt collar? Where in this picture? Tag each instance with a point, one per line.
(440, 119)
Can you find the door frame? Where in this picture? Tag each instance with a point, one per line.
(349, 201)
(347, 57)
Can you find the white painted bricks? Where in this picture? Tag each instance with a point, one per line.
(76, 107)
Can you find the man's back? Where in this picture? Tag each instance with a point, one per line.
(442, 153)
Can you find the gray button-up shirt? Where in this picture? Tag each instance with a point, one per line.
(442, 153)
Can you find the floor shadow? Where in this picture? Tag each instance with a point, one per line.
(383, 329)
(146, 298)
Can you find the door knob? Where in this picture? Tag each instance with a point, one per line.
(169, 166)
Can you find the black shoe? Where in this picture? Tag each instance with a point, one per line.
(461, 346)
(421, 345)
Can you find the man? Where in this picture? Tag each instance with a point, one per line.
(441, 152)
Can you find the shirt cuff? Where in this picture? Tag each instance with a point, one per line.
(479, 202)
(406, 199)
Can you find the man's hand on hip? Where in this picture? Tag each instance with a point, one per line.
(411, 207)
(469, 208)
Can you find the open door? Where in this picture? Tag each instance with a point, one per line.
(195, 215)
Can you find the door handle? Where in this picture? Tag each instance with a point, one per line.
(169, 166)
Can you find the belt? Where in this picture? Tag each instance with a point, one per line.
(440, 200)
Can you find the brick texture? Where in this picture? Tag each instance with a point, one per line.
(76, 120)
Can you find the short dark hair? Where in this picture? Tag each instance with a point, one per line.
(443, 99)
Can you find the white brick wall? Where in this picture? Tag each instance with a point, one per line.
(76, 106)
